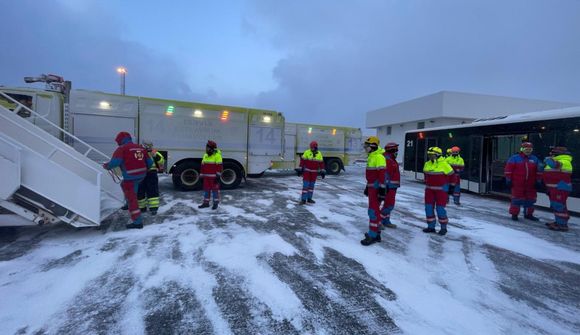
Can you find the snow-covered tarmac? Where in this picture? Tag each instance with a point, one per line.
(262, 264)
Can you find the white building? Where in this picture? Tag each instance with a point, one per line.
(447, 108)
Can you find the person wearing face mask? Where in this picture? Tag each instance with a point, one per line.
(211, 171)
(437, 175)
(457, 163)
(523, 173)
(558, 179)
(375, 189)
(392, 182)
(311, 164)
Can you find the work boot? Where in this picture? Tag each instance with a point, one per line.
(443, 230)
(310, 201)
(531, 217)
(143, 210)
(215, 205)
(153, 211)
(457, 203)
(137, 224)
(125, 207)
(303, 202)
(204, 205)
(557, 227)
(514, 217)
(388, 225)
(368, 240)
(429, 230)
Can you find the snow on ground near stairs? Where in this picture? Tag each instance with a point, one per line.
(264, 264)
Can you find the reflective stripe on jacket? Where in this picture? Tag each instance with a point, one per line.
(311, 162)
(211, 165)
(437, 173)
(376, 169)
(558, 172)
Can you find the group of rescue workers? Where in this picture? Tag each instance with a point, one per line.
(140, 165)
(524, 174)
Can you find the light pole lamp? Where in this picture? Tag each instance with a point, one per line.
(122, 71)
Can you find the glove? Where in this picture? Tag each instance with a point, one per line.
(105, 166)
(538, 184)
(382, 192)
(299, 171)
(366, 191)
(322, 173)
(217, 178)
(547, 192)
(508, 183)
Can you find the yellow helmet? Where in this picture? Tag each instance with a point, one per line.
(435, 151)
(372, 140)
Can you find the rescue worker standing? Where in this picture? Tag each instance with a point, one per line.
(458, 165)
(148, 194)
(523, 174)
(437, 174)
(134, 163)
(558, 179)
(311, 164)
(392, 182)
(211, 171)
(375, 189)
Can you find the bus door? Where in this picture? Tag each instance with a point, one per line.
(502, 148)
(476, 166)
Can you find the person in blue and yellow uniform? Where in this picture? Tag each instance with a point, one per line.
(457, 163)
(148, 194)
(437, 175)
(211, 171)
(375, 189)
(311, 164)
(558, 179)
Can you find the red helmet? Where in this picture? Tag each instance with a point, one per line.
(313, 145)
(455, 149)
(211, 144)
(122, 136)
(527, 145)
(391, 147)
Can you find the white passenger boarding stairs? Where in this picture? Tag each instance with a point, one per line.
(44, 180)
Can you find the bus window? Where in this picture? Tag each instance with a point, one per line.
(473, 162)
(542, 143)
(502, 149)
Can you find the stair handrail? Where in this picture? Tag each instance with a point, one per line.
(21, 106)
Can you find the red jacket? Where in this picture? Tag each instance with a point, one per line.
(392, 175)
(523, 170)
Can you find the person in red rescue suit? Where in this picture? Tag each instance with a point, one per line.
(458, 165)
(211, 171)
(392, 182)
(375, 189)
(523, 173)
(134, 163)
(558, 180)
(311, 164)
(148, 193)
(437, 176)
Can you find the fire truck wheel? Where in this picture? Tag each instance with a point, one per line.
(186, 176)
(333, 166)
(231, 176)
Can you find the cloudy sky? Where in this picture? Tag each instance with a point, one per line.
(322, 61)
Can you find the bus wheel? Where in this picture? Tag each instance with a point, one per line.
(187, 177)
(333, 166)
(231, 176)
